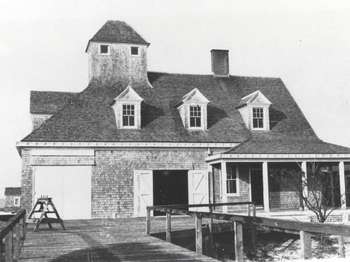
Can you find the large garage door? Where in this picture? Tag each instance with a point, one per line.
(69, 187)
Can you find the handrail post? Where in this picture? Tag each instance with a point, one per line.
(168, 226)
(238, 237)
(24, 226)
(341, 249)
(1, 250)
(254, 210)
(8, 247)
(148, 220)
(199, 236)
(305, 241)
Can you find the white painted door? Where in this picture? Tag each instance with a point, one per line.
(69, 187)
(198, 190)
(143, 191)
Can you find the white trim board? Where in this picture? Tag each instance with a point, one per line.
(125, 144)
(275, 157)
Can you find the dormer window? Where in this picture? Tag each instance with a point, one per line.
(254, 109)
(104, 49)
(127, 109)
(134, 51)
(195, 116)
(128, 115)
(193, 110)
(258, 118)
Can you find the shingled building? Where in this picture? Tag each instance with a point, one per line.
(134, 138)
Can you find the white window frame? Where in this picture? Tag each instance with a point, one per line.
(189, 117)
(108, 49)
(122, 115)
(18, 200)
(138, 50)
(263, 118)
(237, 180)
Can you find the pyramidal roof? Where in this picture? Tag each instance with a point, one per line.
(117, 32)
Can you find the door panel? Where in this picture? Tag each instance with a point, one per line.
(69, 187)
(143, 190)
(198, 191)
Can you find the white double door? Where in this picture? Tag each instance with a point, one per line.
(69, 187)
(198, 190)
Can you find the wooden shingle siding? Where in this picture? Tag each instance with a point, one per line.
(112, 179)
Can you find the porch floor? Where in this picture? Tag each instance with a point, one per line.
(106, 240)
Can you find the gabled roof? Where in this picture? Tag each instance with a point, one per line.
(48, 102)
(12, 191)
(129, 94)
(90, 117)
(194, 96)
(117, 32)
(257, 97)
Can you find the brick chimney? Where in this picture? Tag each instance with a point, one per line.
(219, 62)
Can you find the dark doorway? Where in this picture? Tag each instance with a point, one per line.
(170, 187)
(257, 185)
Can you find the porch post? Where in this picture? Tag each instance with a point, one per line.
(304, 181)
(223, 184)
(266, 186)
(342, 184)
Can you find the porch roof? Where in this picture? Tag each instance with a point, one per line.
(260, 146)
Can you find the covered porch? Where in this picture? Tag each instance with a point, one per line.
(258, 178)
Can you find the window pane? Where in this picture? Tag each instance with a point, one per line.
(128, 115)
(231, 187)
(258, 117)
(125, 121)
(131, 121)
(231, 174)
(195, 116)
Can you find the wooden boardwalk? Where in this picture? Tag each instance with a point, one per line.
(106, 240)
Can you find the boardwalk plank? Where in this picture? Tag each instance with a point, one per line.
(107, 240)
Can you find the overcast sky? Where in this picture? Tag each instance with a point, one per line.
(306, 43)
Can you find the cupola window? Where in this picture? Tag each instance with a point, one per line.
(104, 49)
(134, 50)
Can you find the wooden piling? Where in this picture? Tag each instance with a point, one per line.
(238, 238)
(168, 227)
(199, 236)
(341, 248)
(305, 243)
(148, 221)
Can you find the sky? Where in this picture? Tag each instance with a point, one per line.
(306, 43)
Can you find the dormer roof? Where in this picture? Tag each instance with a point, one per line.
(129, 94)
(117, 32)
(256, 97)
(194, 96)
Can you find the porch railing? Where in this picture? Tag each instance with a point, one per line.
(12, 236)
(304, 229)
